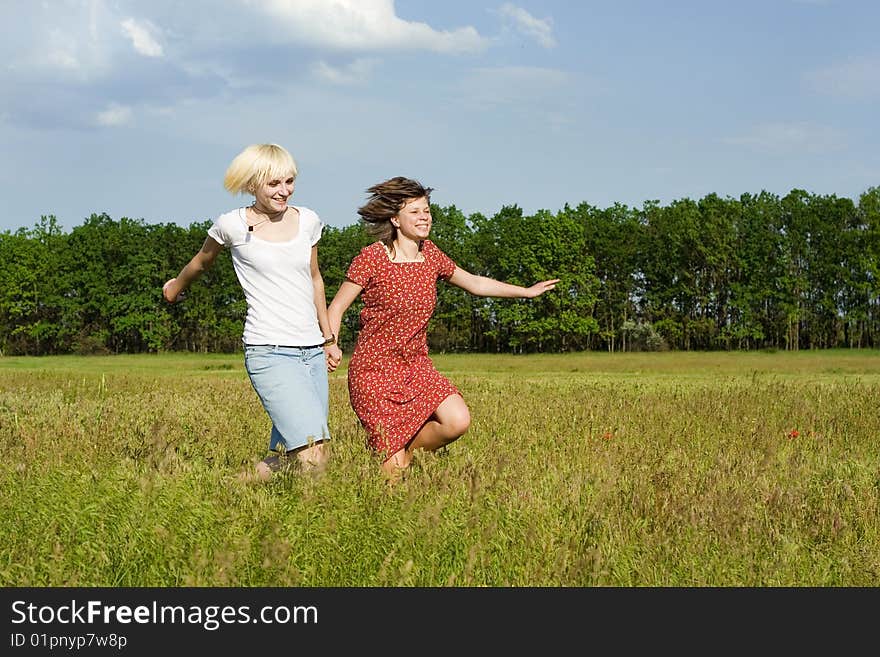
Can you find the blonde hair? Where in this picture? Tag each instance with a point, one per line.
(255, 165)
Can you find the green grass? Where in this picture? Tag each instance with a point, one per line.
(592, 469)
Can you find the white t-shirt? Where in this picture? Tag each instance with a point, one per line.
(276, 279)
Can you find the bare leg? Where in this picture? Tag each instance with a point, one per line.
(395, 465)
(448, 423)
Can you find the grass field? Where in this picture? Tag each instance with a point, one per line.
(592, 469)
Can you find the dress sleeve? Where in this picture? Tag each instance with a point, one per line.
(445, 264)
(361, 268)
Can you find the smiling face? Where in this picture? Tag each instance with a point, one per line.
(413, 220)
(271, 196)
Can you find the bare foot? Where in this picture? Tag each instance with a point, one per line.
(264, 470)
(394, 469)
(314, 459)
(395, 477)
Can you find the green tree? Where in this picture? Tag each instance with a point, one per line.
(29, 317)
(755, 314)
(668, 252)
(611, 238)
(864, 325)
(535, 248)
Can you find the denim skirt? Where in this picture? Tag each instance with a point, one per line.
(291, 383)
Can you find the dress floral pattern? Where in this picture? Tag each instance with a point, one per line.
(393, 385)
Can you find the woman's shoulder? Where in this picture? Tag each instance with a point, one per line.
(444, 264)
(428, 247)
(374, 249)
(371, 253)
(307, 216)
(227, 226)
(230, 216)
(366, 263)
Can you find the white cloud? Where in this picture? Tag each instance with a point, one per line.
(790, 138)
(364, 25)
(356, 72)
(141, 35)
(114, 115)
(534, 28)
(859, 78)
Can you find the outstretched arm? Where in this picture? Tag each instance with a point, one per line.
(483, 286)
(345, 296)
(200, 263)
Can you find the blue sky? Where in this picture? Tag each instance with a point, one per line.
(135, 108)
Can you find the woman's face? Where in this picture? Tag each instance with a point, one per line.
(272, 195)
(413, 220)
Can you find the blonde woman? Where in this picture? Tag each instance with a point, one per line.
(288, 344)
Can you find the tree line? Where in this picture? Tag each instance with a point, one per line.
(760, 271)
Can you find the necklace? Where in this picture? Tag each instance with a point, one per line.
(277, 216)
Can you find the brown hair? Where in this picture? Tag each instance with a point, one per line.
(386, 200)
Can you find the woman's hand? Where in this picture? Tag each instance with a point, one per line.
(334, 356)
(539, 288)
(171, 291)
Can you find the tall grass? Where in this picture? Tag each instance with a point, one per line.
(664, 469)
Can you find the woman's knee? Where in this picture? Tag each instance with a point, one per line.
(456, 418)
(463, 422)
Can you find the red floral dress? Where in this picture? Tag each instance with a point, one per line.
(393, 386)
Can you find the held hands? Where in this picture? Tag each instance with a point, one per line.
(334, 356)
(539, 288)
(171, 291)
